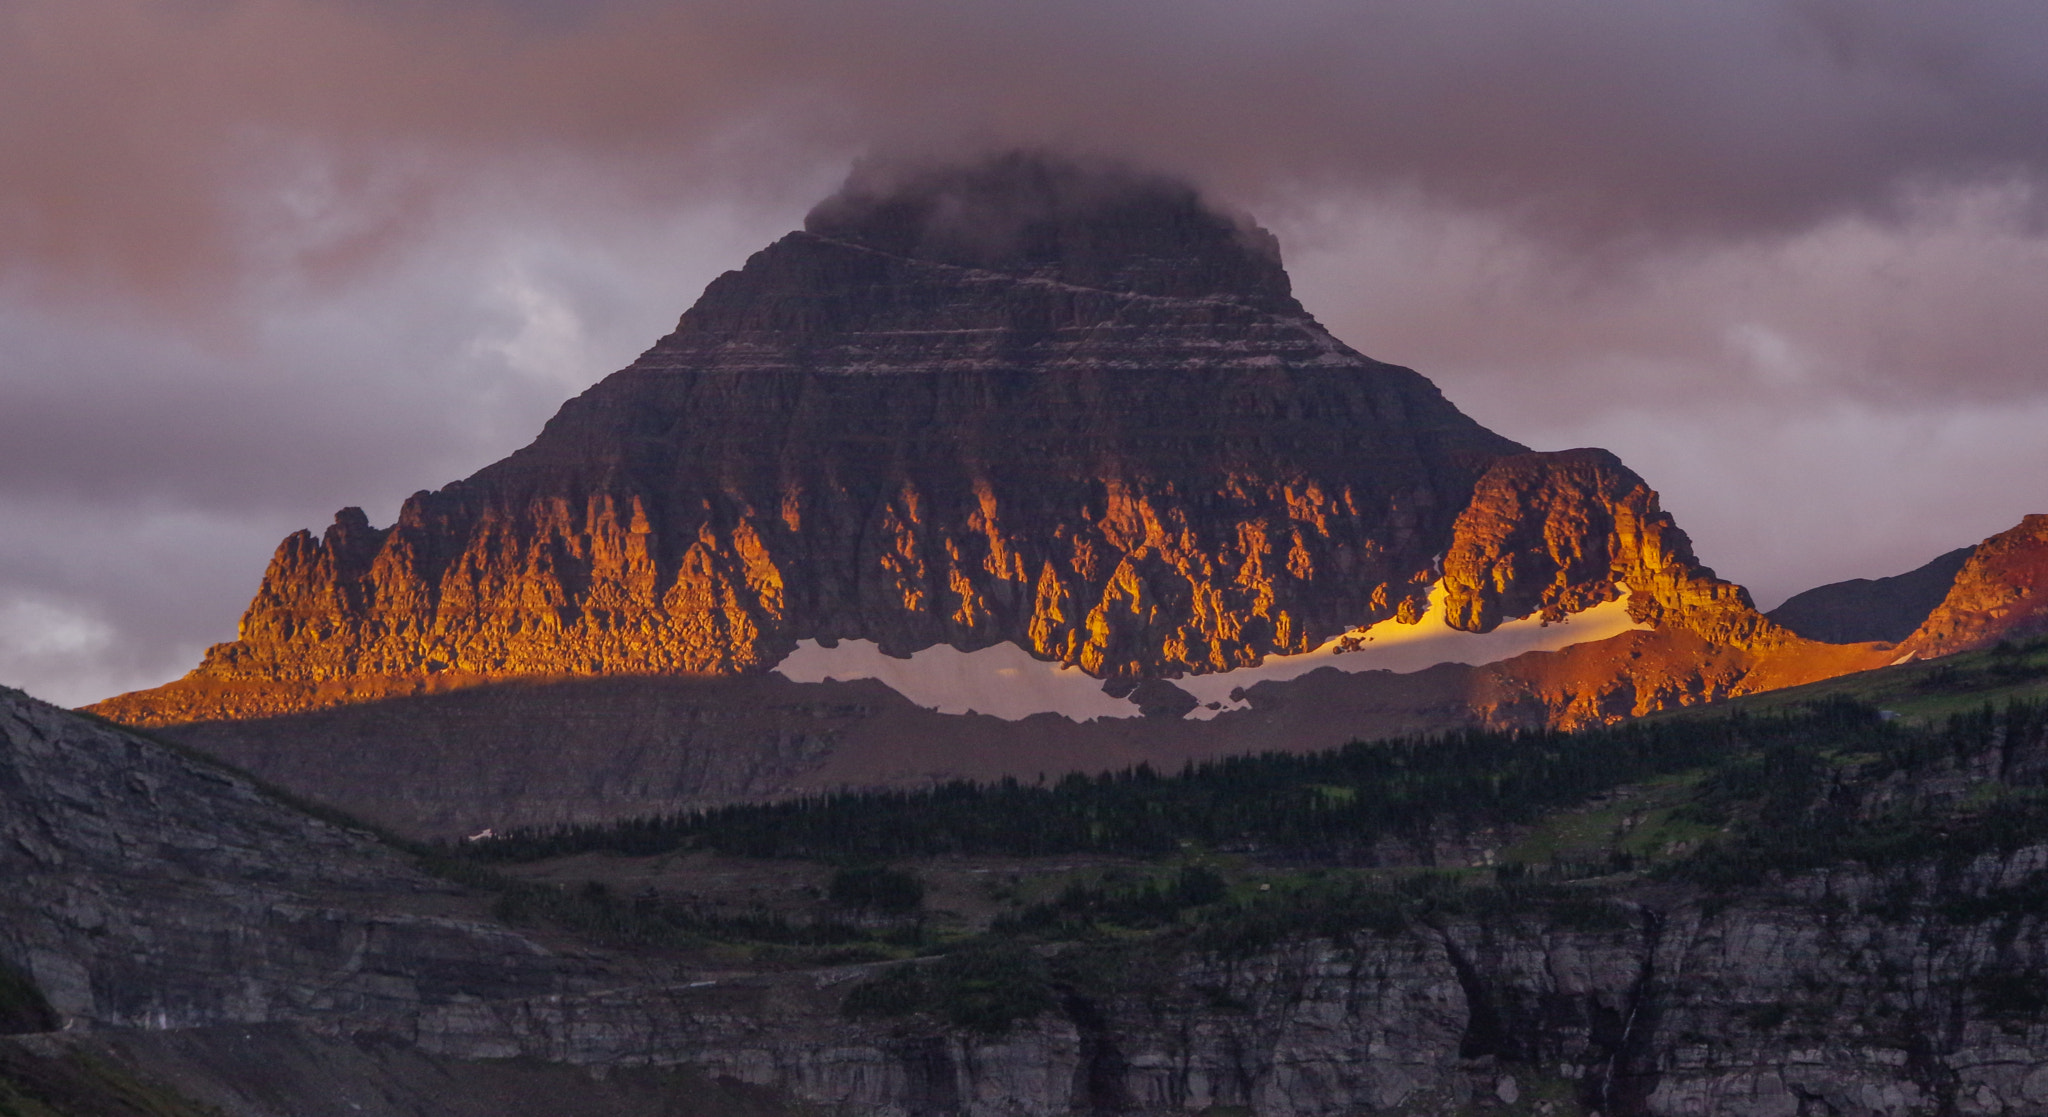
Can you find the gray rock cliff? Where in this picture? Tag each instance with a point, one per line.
(155, 895)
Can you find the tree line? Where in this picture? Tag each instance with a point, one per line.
(1330, 806)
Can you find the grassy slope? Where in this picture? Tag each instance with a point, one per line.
(1923, 692)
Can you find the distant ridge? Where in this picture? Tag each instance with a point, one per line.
(1065, 405)
(1887, 609)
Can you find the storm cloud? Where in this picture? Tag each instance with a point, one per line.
(263, 258)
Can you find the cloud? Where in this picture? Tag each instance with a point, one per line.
(148, 468)
(170, 133)
(1938, 309)
(1847, 401)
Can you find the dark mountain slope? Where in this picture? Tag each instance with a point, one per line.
(134, 872)
(1862, 609)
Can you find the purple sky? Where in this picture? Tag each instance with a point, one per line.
(260, 259)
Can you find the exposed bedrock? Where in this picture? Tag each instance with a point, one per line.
(1119, 443)
(1554, 534)
(2000, 593)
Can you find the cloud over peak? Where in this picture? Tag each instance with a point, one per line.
(153, 122)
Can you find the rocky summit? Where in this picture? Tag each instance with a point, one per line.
(1018, 403)
(1070, 407)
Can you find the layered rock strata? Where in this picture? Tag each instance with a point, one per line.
(1110, 436)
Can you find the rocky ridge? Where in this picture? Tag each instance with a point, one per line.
(1553, 534)
(1996, 595)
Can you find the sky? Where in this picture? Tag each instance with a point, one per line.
(263, 259)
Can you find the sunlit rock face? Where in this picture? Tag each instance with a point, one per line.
(1067, 408)
(1553, 534)
(2000, 593)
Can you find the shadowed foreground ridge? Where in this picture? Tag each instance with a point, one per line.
(1863, 936)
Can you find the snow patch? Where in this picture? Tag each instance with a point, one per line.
(1403, 648)
(1005, 681)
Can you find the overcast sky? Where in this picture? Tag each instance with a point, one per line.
(260, 259)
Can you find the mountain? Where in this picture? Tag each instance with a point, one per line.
(1073, 409)
(1027, 400)
(1860, 609)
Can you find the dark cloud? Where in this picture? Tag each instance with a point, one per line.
(154, 123)
(263, 258)
(1088, 221)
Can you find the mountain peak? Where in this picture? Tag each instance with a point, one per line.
(1086, 223)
